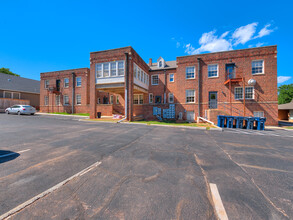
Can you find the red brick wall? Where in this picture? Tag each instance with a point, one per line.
(105, 109)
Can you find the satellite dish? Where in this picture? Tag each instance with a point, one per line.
(252, 82)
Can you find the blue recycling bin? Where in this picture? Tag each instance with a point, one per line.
(260, 123)
(221, 121)
(239, 121)
(249, 122)
(230, 120)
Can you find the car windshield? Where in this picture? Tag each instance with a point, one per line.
(27, 106)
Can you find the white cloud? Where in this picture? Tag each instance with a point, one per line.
(282, 79)
(178, 44)
(243, 34)
(265, 31)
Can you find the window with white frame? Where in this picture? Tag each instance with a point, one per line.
(106, 69)
(155, 79)
(139, 74)
(190, 96)
(98, 100)
(46, 98)
(78, 99)
(249, 92)
(213, 70)
(46, 84)
(190, 72)
(65, 100)
(121, 68)
(66, 83)
(171, 77)
(111, 99)
(117, 99)
(99, 70)
(258, 114)
(7, 95)
(16, 95)
(171, 98)
(57, 100)
(151, 98)
(138, 99)
(257, 67)
(238, 92)
(78, 81)
(113, 68)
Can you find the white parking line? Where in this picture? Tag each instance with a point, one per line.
(220, 210)
(32, 200)
(7, 155)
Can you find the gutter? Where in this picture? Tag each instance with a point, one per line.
(73, 93)
(126, 84)
(198, 92)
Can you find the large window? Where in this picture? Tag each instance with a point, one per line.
(213, 70)
(139, 74)
(171, 77)
(190, 72)
(78, 99)
(249, 92)
(121, 68)
(238, 93)
(113, 68)
(258, 114)
(171, 98)
(110, 69)
(8, 95)
(155, 79)
(46, 84)
(151, 98)
(78, 81)
(57, 100)
(106, 69)
(66, 83)
(190, 96)
(257, 67)
(46, 100)
(138, 99)
(65, 100)
(99, 70)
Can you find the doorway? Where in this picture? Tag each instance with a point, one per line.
(213, 100)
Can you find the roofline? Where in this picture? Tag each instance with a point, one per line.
(21, 77)
(110, 49)
(20, 91)
(203, 54)
(66, 70)
(163, 69)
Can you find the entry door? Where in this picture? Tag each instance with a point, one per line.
(230, 71)
(213, 100)
(190, 116)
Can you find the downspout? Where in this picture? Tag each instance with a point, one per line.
(126, 84)
(73, 93)
(198, 92)
(165, 79)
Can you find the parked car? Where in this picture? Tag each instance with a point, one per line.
(21, 109)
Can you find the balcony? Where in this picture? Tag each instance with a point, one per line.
(233, 77)
(54, 89)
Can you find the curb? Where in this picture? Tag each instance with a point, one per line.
(40, 113)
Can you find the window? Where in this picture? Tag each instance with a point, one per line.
(151, 97)
(160, 63)
(66, 83)
(117, 99)
(258, 114)
(249, 92)
(46, 84)
(7, 95)
(257, 67)
(121, 68)
(238, 93)
(106, 69)
(190, 96)
(99, 72)
(111, 99)
(171, 77)
(155, 79)
(78, 81)
(66, 100)
(113, 69)
(138, 99)
(190, 72)
(99, 101)
(57, 100)
(158, 99)
(171, 98)
(46, 100)
(78, 99)
(213, 70)
(16, 95)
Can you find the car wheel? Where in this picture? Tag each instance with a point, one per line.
(7, 112)
(18, 113)
(32, 113)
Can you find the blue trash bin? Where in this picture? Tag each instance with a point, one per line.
(230, 120)
(260, 123)
(249, 124)
(239, 121)
(221, 121)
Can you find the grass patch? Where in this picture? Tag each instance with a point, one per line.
(65, 113)
(174, 123)
(289, 127)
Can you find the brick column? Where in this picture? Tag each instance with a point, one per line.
(92, 91)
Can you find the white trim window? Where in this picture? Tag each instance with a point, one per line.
(213, 70)
(66, 82)
(78, 99)
(117, 99)
(151, 98)
(46, 84)
(121, 68)
(78, 81)
(139, 74)
(57, 100)
(171, 77)
(106, 69)
(46, 100)
(111, 99)
(238, 93)
(99, 70)
(249, 92)
(7, 95)
(257, 67)
(171, 98)
(258, 114)
(66, 100)
(190, 72)
(113, 68)
(155, 80)
(138, 99)
(99, 101)
(190, 96)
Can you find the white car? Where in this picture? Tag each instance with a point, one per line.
(21, 109)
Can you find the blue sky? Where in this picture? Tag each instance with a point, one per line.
(40, 36)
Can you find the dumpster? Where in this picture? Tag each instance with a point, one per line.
(221, 121)
(239, 121)
(99, 114)
(260, 123)
(230, 120)
(249, 122)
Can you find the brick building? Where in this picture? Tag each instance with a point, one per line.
(238, 82)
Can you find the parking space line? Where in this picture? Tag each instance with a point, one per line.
(220, 210)
(48, 191)
(10, 154)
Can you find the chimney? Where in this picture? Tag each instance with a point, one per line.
(150, 62)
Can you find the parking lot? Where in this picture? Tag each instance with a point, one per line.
(56, 167)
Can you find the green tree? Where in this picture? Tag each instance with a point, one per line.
(7, 71)
(285, 94)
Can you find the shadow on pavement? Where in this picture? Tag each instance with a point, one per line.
(6, 155)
